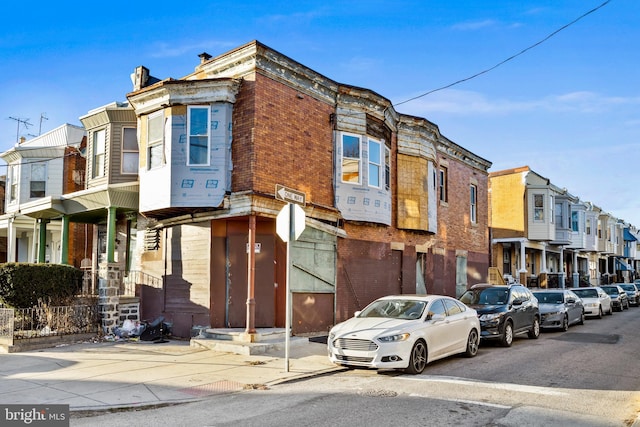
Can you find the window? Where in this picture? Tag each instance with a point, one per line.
(198, 147)
(99, 142)
(375, 165)
(559, 217)
(155, 148)
(351, 159)
(574, 221)
(538, 207)
(453, 307)
(588, 226)
(129, 151)
(474, 203)
(13, 195)
(443, 184)
(387, 168)
(38, 184)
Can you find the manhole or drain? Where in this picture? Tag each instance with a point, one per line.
(217, 387)
(588, 338)
(378, 393)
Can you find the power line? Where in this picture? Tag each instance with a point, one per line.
(508, 59)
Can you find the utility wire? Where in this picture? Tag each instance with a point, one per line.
(506, 60)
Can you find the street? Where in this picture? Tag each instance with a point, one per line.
(586, 376)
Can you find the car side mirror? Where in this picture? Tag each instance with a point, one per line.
(357, 313)
(571, 301)
(518, 301)
(436, 317)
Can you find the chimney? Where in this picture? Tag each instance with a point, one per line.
(204, 57)
(22, 139)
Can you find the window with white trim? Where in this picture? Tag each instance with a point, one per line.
(38, 181)
(130, 153)
(99, 142)
(198, 136)
(155, 140)
(351, 159)
(375, 163)
(13, 176)
(538, 207)
(473, 199)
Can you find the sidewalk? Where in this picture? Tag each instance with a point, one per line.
(108, 375)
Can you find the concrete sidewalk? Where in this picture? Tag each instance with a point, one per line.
(108, 375)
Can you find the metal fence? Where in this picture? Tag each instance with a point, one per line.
(51, 321)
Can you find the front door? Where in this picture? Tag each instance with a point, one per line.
(237, 286)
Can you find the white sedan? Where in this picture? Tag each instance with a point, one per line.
(405, 332)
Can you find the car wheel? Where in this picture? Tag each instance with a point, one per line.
(600, 312)
(418, 358)
(534, 332)
(610, 313)
(507, 335)
(473, 342)
(581, 322)
(565, 323)
(627, 305)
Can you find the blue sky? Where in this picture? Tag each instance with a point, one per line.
(569, 107)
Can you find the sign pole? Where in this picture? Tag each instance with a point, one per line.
(287, 321)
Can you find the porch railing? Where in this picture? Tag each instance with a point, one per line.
(91, 282)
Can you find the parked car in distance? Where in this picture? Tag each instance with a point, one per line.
(559, 308)
(618, 297)
(596, 302)
(633, 293)
(405, 332)
(504, 311)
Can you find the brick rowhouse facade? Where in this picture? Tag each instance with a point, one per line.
(364, 238)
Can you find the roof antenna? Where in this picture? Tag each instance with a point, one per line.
(26, 124)
(42, 117)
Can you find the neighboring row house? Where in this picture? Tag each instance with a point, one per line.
(39, 172)
(542, 235)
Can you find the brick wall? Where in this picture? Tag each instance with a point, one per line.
(282, 136)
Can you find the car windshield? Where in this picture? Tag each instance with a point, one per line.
(628, 287)
(610, 290)
(586, 293)
(486, 296)
(395, 309)
(549, 297)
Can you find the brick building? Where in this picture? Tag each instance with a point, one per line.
(392, 206)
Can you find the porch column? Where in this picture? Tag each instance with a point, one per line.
(543, 279)
(11, 241)
(111, 233)
(522, 273)
(64, 237)
(42, 240)
(561, 273)
(576, 273)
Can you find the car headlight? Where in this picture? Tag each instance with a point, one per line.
(393, 338)
(490, 316)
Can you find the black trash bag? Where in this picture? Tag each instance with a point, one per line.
(156, 331)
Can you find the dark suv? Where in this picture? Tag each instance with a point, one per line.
(504, 311)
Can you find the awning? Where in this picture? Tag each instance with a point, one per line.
(622, 265)
(628, 236)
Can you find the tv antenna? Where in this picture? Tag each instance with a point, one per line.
(26, 124)
(42, 117)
